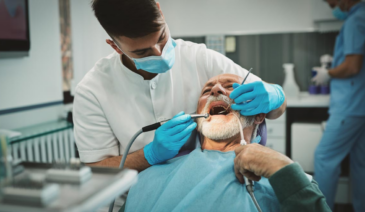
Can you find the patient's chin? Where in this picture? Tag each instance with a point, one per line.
(219, 129)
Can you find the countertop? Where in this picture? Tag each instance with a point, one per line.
(307, 100)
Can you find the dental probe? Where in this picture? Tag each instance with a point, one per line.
(246, 76)
(146, 129)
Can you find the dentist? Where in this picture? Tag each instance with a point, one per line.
(151, 77)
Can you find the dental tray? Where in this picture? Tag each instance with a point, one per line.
(32, 191)
(30, 194)
(77, 176)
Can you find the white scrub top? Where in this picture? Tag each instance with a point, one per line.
(112, 103)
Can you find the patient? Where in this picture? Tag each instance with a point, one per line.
(204, 180)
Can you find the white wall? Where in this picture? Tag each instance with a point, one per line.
(237, 17)
(193, 18)
(35, 79)
(88, 39)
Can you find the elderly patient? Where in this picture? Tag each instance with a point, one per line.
(204, 180)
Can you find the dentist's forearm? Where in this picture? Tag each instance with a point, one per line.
(134, 160)
(277, 112)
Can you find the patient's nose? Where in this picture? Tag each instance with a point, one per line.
(217, 89)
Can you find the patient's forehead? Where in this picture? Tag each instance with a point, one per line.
(223, 78)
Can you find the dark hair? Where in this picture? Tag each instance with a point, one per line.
(130, 18)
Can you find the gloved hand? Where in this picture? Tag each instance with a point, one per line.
(256, 97)
(322, 76)
(169, 138)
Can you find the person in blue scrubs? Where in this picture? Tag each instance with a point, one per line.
(345, 130)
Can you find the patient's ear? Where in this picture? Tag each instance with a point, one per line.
(259, 118)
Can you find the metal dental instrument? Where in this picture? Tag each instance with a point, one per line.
(246, 76)
(158, 124)
(193, 116)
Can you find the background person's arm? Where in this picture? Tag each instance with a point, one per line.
(353, 48)
(350, 67)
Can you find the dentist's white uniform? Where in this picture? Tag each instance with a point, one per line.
(112, 102)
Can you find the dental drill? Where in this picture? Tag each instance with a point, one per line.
(146, 129)
(193, 116)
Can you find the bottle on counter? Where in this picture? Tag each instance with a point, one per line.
(313, 89)
(290, 87)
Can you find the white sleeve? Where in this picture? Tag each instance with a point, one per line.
(94, 138)
(219, 64)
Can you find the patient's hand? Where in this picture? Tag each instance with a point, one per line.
(255, 160)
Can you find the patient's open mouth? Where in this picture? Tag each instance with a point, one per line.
(219, 109)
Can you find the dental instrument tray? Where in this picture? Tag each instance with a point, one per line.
(46, 187)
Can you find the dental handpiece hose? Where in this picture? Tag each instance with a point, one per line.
(146, 129)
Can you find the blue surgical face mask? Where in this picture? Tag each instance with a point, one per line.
(339, 14)
(158, 64)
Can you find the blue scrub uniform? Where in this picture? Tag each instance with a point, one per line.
(345, 130)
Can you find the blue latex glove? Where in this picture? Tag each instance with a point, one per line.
(262, 98)
(169, 138)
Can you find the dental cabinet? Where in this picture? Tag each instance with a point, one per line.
(306, 108)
